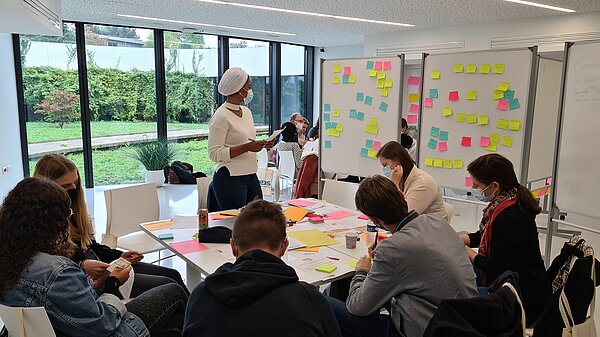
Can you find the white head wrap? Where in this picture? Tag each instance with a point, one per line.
(232, 81)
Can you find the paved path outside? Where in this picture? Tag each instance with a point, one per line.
(37, 150)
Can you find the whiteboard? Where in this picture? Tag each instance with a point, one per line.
(348, 152)
(545, 116)
(517, 72)
(577, 178)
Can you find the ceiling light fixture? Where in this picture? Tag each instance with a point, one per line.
(529, 3)
(204, 24)
(291, 11)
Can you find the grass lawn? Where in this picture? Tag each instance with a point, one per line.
(44, 132)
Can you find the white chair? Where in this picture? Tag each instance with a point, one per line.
(286, 170)
(340, 193)
(26, 322)
(126, 209)
(202, 185)
(449, 211)
(263, 159)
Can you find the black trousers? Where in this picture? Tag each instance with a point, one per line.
(232, 192)
(148, 276)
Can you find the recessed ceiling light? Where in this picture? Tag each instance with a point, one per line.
(203, 24)
(291, 11)
(529, 3)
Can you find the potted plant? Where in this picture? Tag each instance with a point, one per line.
(155, 156)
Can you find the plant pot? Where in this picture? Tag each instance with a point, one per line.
(157, 177)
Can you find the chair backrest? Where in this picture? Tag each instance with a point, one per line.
(265, 178)
(26, 322)
(202, 185)
(127, 207)
(449, 211)
(340, 193)
(287, 165)
(263, 158)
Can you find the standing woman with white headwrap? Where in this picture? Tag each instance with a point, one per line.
(231, 145)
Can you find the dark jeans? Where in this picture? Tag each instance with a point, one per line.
(375, 325)
(232, 192)
(148, 276)
(162, 309)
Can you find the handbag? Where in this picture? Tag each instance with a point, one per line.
(588, 327)
(218, 234)
(514, 291)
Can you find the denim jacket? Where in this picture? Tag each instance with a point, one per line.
(63, 289)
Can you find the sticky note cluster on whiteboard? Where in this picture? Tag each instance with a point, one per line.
(370, 149)
(444, 163)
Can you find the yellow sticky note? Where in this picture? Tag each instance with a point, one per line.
(374, 122)
(326, 268)
(337, 68)
(461, 117)
(313, 237)
(472, 118)
(428, 161)
(371, 129)
(372, 154)
(381, 84)
(494, 138)
(499, 68)
(295, 213)
(514, 125)
(309, 249)
(381, 74)
(498, 94)
(336, 80)
(333, 133)
(507, 141)
(458, 163)
(412, 98)
(485, 68)
(352, 79)
(437, 162)
(352, 263)
(336, 112)
(503, 86)
(383, 92)
(471, 68)
(448, 163)
(389, 83)
(472, 94)
(340, 127)
(372, 73)
(435, 74)
(482, 120)
(458, 68)
(492, 147)
(447, 111)
(502, 124)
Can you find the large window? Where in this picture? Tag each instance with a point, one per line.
(292, 81)
(253, 57)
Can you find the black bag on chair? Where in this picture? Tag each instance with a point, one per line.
(182, 173)
(218, 234)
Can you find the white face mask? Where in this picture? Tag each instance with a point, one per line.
(482, 197)
(248, 97)
(387, 171)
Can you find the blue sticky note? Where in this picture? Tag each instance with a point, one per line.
(514, 104)
(327, 107)
(333, 125)
(364, 152)
(328, 125)
(360, 96)
(368, 100)
(509, 95)
(326, 117)
(383, 106)
(433, 93)
(353, 113)
(443, 135)
(432, 144)
(435, 131)
(369, 143)
(370, 65)
(328, 144)
(360, 116)
(346, 79)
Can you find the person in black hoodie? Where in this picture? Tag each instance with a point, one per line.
(258, 295)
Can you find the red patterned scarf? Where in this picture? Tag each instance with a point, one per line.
(501, 202)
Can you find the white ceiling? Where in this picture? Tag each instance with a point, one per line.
(311, 30)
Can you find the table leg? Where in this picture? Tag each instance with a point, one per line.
(194, 277)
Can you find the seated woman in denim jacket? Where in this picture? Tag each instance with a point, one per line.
(37, 271)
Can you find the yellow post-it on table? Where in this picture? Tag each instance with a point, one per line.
(485, 68)
(313, 238)
(458, 68)
(514, 125)
(295, 213)
(461, 117)
(458, 163)
(435, 74)
(499, 68)
(326, 268)
(336, 80)
(472, 118)
(503, 86)
(428, 161)
(437, 162)
(498, 94)
(483, 120)
(373, 73)
(502, 124)
(336, 112)
(352, 263)
(412, 98)
(507, 141)
(471, 68)
(448, 163)
(447, 111)
(337, 68)
(472, 94)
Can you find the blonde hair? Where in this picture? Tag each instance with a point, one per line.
(54, 166)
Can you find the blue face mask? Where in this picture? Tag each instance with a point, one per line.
(387, 171)
(484, 198)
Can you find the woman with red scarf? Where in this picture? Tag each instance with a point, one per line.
(507, 236)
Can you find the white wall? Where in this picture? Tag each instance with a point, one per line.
(10, 150)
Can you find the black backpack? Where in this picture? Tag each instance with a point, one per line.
(181, 173)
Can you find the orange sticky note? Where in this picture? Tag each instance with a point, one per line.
(295, 213)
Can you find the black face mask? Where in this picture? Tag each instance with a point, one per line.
(72, 193)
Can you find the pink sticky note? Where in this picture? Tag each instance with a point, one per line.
(542, 192)
(347, 70)
(376, 145)
(301, 203)
(502, 105)
(549, 181)
(414, 80)
(484, 142)
(414, 108)
(453, 96)
(387, 65)
(337, 215)
(378, 65)
(189, 246)
(363, 217)
(412, 119)
(428, 102)
(442, 146)
(468, 182)
(466, 141)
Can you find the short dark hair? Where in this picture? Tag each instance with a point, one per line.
(260, 223)
(313, 132)
(404, 123)
(378, 197)
(395, 151)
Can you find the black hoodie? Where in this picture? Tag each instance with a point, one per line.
(259, 295)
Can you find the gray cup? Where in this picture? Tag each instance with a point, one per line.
(351, 239)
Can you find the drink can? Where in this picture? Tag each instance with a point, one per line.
(202, 219)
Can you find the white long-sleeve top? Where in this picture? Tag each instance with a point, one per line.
(226, 130)
(423, 194)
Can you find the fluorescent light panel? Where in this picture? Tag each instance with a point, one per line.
(204, 24)
(291, 11)
(529, 3)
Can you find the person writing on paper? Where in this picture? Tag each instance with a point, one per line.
(258, 295)
(232, 146)
(37, 272)
(507, 237)
(289, 142)
(421, 191)
(412, 271)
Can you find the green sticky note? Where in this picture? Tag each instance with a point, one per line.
(514, 104)
(326, 117)
(364, 152)
(372, 129)
(368, 100)
(433, 93)
(443, 135)
(485, 68)
(499, 68)
(435, 74)
(326, 268)
(166, 236)
(370, 65)
(498, 94)
(383, 106)
(428, 161)
(336, 112)
(502, 124)
(447, 111)
(472, 95)
(503, 86)
(353, 113)
(461, 117)
(369, 143)
(352, 263)
(346, 79)
(360, 96)
(507, 141)
(328, 144)
(337, 68)
(458, 163)
(360, 116)
(438, 162)
(432, 144)
(471, 68)
(472, 118)
(458, 68)
(509, 94)
(448, 163)
(514, 125)
(327, 107)
(483, 120)
(435, 131)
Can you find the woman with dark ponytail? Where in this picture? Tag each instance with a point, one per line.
(507, 237)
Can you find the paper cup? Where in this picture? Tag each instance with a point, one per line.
(351, 239)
